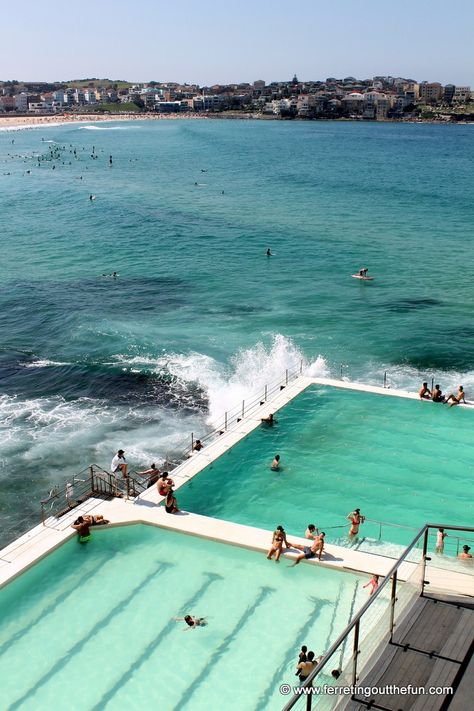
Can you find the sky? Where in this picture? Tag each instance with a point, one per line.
(229, 41)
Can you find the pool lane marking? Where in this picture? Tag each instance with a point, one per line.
(62, 597)
(99, 625)
(150, 648)
(282, 671)
(223, 647)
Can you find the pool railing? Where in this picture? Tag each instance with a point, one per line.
(91, 481)
(353, 651)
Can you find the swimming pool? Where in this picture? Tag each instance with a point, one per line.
(400, 461)
(90, 626)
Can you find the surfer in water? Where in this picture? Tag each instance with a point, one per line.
(269, 252)
(363, 272)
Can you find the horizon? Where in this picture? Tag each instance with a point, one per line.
(227, 45)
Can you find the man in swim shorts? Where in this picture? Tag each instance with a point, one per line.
(309, 552)
(424, 392)
(437, 394)
(458, 398)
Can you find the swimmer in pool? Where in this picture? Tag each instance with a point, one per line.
(275, 466)
(192, 622)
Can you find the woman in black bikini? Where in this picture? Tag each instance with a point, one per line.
(171, 505)
(279, 538)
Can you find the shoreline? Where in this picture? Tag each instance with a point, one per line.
(18, 123)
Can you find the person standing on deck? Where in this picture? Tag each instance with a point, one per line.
(119, 464)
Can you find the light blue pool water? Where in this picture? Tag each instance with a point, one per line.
(400, 461)
(91, 626)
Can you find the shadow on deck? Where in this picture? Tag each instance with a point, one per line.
(432, 647)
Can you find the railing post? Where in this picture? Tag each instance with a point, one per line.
(393, 599)
(192, 441)
(301, 366)
(286, 376)
(243, 408)
(432, 384)
(341, 371)
(308, 702)
(380, 532)
(265, 393)
(385, 379)
(91, 470)
(457, 548)
(355, 652)
(225, 421)
(423, 561)
(42, 513)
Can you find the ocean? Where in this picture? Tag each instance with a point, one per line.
(199, 317)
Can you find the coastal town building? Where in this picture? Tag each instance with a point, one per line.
(378, 98)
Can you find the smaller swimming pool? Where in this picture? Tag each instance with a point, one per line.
(91, 626)
(400, 461)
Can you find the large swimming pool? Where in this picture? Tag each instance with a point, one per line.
(400, 461)
(91, 626)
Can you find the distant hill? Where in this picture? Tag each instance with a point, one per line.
(93, 83)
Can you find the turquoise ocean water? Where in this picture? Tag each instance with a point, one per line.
(199, 317)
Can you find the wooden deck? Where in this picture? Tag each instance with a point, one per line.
(432, 646)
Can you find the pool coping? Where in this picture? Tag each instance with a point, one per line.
(145, 509)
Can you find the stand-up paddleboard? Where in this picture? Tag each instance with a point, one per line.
(363, 278)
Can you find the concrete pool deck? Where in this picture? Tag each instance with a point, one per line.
(41, 540)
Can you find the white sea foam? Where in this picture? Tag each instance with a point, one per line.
(107, 128)
(246, 375)
(44, 363)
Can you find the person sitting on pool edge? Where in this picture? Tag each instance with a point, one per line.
(268, 420)
(316, 548)
(437, 394)
(458, 398)
(278, 540)
(424, 392)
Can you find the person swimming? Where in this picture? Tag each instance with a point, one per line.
(192, 622)
(275, 465)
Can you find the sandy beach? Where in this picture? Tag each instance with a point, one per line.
(15, 123)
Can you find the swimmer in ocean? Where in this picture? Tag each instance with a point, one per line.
(269, 252)
(91, 197)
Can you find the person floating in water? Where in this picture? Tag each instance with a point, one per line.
(192, 622)
(82, 528)
(424, 392)
(275, 465)
(269, 252)
(458, 398)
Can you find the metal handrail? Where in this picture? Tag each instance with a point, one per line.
(238, 412)
(354, 624)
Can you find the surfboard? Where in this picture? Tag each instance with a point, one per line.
(363, 278)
